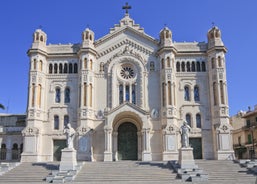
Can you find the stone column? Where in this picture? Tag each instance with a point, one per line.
(146, 154)
(139, 148)
(108, 144)
(115, 146)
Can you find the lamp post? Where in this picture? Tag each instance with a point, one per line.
(253, 152)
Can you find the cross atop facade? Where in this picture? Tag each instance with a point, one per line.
(126, 7)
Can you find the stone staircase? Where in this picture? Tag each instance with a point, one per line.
(28, 173)
(226, 172)
(126, 172)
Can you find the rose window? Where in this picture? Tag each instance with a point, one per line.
(127, 72)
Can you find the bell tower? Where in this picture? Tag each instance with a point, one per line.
(87, 57)
(167, 54)
(219, 95)
(37, 106)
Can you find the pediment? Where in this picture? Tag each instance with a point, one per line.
(127, 38)
(128, 107)
(126, 33)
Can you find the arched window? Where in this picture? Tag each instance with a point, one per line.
(33, 91)
(57, 95)
(67, 95)
(219, 61)
(193, 66)
(163, 94)
(198, 121)
(212, 63)
(75, 68)
(65, 70)
(85, 94)
(91, 95)
(41, 38)
(85, 63)
(168, 62)
(121, 93)
(134, 94)
(70, 68)
(3, 152)
(91, 64)
(188, 119)
(188, 67)
(222, 93)
(40, 65)
(65, 120)
(178, 66)
(50, 68)
(101, 67)
(183, 66)
(152, 67)
(60, 68)
(39, 94)
(186, 93)
(15, 152)
(169, 92)
(55, 68)
(198, 67)
(215, 93)
(203, 67)
(35, 64)
(56, 122)
(127, 93)
(196, 93)
(162, 63)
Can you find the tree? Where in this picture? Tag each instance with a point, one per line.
(2, 106)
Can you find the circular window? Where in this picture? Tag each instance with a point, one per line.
(127, 72)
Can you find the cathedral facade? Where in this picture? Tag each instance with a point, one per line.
(127, 95)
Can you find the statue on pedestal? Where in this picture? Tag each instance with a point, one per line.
(184, 130)
(70, 134)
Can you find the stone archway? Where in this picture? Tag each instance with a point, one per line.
(125, 124)
(127, 142)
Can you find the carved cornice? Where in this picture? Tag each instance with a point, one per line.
(127, 42)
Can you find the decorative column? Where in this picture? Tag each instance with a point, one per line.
(115, 146)
(108, 144)
(146, 154)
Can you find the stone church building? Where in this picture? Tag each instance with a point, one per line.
(127, 95)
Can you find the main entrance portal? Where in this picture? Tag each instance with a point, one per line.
(58, 146)
(196, 143)
(127, 142)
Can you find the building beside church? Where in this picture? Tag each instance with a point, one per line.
(11, 139)
(244, 133)
(127, 95)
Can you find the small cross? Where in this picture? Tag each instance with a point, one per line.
(30, 130)
(40, 26)
(213, 24)
(126, 7)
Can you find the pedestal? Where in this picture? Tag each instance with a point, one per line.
(108, 156)
(146, 156)
(68, 159)
(186, 158)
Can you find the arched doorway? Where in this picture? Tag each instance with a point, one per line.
(127, 141)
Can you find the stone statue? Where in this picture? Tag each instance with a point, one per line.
(184, 130)
(70, 134)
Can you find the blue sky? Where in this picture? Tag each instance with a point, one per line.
(64, 21)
